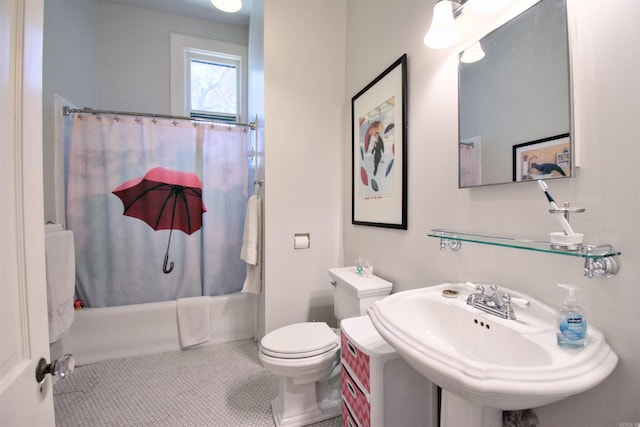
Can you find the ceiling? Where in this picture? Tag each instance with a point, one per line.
(200, 9)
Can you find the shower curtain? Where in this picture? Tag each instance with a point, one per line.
(470, 162)
(119, 258)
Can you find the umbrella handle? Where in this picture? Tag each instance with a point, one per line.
(164, 266)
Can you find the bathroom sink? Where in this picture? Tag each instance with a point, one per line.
(488, 361)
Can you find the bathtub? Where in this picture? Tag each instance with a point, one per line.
(104, 333)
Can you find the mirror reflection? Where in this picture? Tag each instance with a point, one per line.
(514, 102)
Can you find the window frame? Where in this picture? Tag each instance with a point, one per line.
(183, 48)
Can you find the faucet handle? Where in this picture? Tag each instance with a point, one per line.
(521, 302)
(477, 288)
(494, 290)
(507, 308)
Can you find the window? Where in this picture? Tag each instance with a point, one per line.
(208, 78)
(213, 90)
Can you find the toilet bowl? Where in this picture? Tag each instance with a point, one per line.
(306, 356)
(304, 351)
(301, 355)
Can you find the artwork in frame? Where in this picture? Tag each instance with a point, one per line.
(542, 159)
(379, 150)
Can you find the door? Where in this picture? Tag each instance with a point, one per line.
(23, 306)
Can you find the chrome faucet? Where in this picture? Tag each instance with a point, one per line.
(492, 304)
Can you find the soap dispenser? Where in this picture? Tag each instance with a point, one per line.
(572, 326)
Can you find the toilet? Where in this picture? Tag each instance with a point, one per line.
(306, 356)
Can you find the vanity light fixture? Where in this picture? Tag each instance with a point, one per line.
(230, 6)
(473, 53)
(443, 31)
(486, 7)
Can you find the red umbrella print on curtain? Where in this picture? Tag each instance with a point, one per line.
(166, 200)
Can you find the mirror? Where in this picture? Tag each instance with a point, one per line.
(514, 103)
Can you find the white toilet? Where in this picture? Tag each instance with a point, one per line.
(306, 356)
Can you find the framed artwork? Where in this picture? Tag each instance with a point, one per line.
(379, 150)
(542, 159)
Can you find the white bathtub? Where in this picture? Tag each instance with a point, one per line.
(104, 333)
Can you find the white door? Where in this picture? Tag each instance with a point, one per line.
(23, 306)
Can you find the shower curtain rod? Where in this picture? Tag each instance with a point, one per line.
(66, 111)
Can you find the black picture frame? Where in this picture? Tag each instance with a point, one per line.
(553, 155)
(379, 150)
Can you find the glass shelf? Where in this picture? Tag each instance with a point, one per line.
(582, 251)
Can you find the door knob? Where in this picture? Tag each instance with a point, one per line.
(60, 368)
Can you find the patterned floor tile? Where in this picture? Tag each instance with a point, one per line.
(217, 385)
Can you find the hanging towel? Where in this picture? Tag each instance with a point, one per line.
(193, 320)
(250, 241)
(250, 252)
(60, 261)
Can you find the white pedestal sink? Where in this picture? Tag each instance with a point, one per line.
(483, 363)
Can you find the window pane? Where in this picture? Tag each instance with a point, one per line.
(213, 87)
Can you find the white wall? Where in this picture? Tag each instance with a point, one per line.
(70, 63)
(304, 91)
(134, 55)
(606, 62)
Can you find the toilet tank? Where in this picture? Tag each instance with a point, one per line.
(354, 294)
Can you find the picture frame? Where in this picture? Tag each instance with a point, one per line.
(543, 158)
(379, 150)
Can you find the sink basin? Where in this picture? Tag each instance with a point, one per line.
(488, 361)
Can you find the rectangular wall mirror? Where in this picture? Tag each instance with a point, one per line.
(515, 102)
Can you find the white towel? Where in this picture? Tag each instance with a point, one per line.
(194, 324)
(61, 277)
(251, 238)
(250, 252)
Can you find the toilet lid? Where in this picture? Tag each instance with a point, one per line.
(299, 340)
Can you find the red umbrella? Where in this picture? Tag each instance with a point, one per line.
(166, 200)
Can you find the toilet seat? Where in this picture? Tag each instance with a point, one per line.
(300, 340)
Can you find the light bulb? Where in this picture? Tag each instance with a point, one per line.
(443, 31)
(230, 6)
(473, 53)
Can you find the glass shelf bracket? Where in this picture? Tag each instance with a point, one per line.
(600, 261)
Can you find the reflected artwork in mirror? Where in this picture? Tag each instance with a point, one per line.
(516, 97)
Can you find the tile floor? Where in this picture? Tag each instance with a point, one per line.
(217, 385)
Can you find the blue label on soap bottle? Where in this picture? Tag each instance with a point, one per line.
(573, 329)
